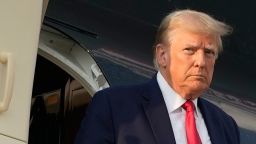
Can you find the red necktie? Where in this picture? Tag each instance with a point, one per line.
(191, 131)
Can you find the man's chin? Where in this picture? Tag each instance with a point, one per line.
(198, 89)
(198, 84)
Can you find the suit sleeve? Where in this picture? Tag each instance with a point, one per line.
(96, 127)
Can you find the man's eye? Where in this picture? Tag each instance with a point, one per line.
(189, 50)
(210, 53)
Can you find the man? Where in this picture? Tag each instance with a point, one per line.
(168, 109)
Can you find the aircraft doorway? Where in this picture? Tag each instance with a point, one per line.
(58, 105)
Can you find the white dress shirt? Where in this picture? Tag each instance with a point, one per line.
(177, 114)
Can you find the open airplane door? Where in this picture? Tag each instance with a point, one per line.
(19, 35)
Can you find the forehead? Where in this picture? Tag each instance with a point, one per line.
(187, 37)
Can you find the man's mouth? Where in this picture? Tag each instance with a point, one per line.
(198, 76)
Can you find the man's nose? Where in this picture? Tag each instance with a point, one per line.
(199, 59)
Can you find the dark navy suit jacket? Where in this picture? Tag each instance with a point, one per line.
(138, 115)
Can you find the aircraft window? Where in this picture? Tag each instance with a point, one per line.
(58, 105)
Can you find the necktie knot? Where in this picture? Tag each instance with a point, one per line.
(188, 106)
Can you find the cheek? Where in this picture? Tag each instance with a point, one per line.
(177, 70)
(181, 65)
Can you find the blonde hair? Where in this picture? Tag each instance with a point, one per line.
(193, 21)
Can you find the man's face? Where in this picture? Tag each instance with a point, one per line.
(187, 63)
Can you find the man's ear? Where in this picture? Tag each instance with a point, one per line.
(161, 55)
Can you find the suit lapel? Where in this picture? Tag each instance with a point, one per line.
(157, 114)
(212, 123)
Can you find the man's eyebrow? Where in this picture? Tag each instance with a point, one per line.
(211, 47)
(196, 45)
(192, 45)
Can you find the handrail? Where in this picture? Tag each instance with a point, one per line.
(7, 59)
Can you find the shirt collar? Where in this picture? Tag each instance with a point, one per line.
(172, 100)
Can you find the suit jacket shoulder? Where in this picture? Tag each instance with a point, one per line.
(115, 115)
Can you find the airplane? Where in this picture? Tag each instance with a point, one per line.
(84, 46)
